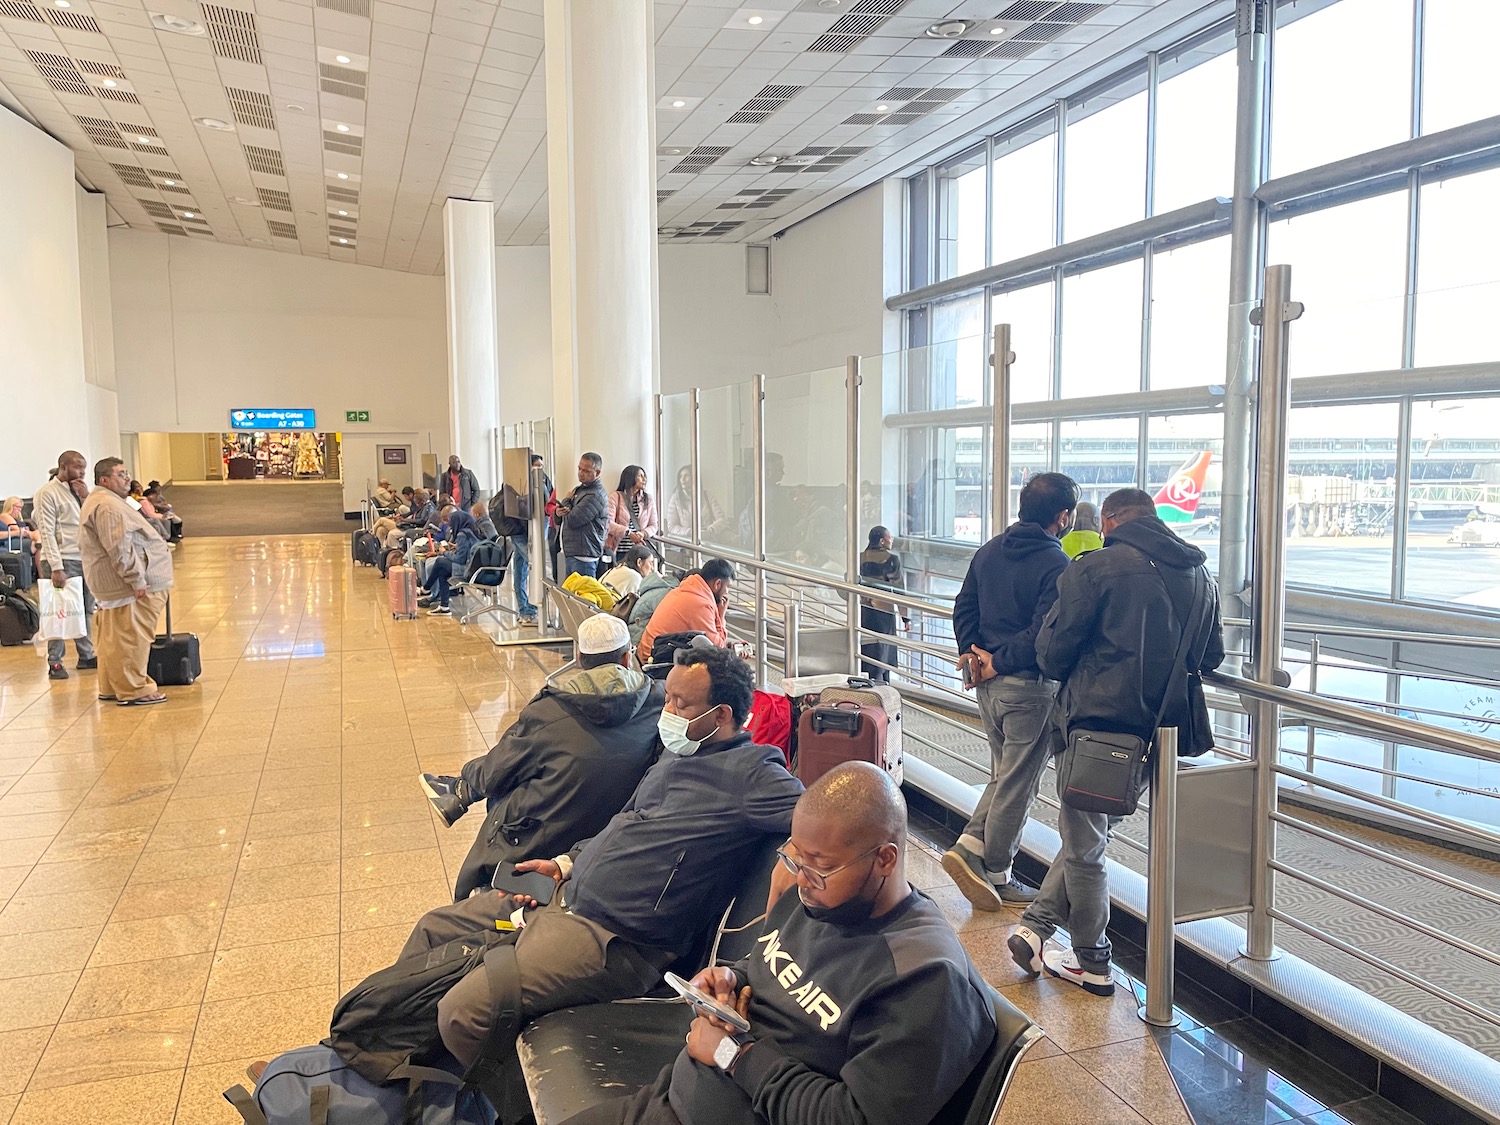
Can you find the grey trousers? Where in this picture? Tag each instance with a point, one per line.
(562, 960)
(84, 645)
(1021, 721)
(1075, 893)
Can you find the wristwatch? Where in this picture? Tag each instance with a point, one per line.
(728, 1050)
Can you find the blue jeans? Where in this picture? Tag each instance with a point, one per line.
(520, 571)
(574, 565)
(437, 579)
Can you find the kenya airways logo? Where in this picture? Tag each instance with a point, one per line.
(1178, 498)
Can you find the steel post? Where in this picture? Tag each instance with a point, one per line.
(1161, 879)
(791, 641)
(1268, 591)
(694, 472)
(852, 383)
(1001, 358)
(758, 498)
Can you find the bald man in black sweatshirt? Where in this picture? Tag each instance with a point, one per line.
(864, 1008)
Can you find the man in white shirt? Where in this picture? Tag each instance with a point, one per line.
(56, 508)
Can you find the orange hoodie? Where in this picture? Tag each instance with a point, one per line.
(691, 606)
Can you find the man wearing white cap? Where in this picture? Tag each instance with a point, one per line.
(566, 765)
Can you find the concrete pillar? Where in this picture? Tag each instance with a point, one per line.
(601, 197)
(473, 346)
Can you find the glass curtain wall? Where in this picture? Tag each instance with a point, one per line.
(1401, 272)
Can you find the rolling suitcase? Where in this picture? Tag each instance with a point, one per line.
(810, 691)
(18, 565)
(174, 660)
(402, 581)
(833, 733)
(367, 548)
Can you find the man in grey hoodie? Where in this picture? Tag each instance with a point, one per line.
(567, 764)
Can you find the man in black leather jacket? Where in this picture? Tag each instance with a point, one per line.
(567, 764)
(1111, 640)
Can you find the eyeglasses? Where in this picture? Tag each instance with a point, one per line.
(818, 880)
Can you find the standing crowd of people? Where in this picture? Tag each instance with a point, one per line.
(115, 540)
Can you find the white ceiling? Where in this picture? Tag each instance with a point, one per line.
(444, 98)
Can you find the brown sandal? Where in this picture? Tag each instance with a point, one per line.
(142, 701)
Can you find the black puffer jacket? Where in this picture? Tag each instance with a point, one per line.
(1111, 636)
(586, 522)
(567, 764)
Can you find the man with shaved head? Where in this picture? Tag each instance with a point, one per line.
(863, 1006)
(56, 508)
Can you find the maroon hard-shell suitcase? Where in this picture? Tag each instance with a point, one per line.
(831, 734)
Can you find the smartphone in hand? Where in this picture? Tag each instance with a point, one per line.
(705, 1004)
(532, 884)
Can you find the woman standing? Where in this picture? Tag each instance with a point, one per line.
(880, 567)
(632, 514)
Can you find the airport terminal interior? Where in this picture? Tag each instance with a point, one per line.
(823, 270)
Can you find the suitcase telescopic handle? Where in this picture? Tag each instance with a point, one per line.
(169, 617)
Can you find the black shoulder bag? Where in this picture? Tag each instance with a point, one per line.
(1102, 771)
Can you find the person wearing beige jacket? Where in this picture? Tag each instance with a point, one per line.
(129, 569)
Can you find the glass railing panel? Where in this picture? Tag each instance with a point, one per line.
(806, 500)
(727, 472)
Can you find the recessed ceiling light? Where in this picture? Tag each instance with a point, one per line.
(997, 31)
(678, 103)
(295, 108)
(111, 83)
(672, 151)
(947, 29)
(343, 175)
(144, 140)
(882, 109)
(753, 21)
(170, 183)
(341, 58)
(242, 201)
(766, 159)
(178, 25)
(342, 128)
(214, 123)
(189, 215)
(343, 242)
(343, 212)
(62, 3)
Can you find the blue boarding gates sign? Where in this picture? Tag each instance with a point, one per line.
(273, 419)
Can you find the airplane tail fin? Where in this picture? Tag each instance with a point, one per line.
(1178, 499)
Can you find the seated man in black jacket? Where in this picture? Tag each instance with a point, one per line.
(565, 766)
(863, 1006)
(633, 898)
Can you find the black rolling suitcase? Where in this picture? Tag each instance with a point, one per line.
(18, 565)
(174, 660)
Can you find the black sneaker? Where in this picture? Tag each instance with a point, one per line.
(449, 795)
(967, 872)
(87, 663)
(56, 672)
(423, 603)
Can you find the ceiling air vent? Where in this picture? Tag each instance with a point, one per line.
(863, 20)
(698, 159)
(707, 230)
(275, 200)
(232, 33)
(201, 230)
(1014, 49)
(967, 49)
(346, 143)
(117, 95)
(101, 131)
(821, 159)
(251, 107)
(763, 197)
(21, 10)
(100, 69)
(179, 188)
(149, 149)
(343, 80)
(348, 7)
(59, 72)
(264, 160)
(156, 209)
(1074, 13)
(765, 103)
(342, 195)
(132, 175)
(76, 20)
(663, 196)
(344, 232)
(170, 228)
(1027, 10)
(281, 230)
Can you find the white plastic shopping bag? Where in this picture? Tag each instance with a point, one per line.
(62, 611)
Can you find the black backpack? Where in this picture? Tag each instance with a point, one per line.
(19, 616)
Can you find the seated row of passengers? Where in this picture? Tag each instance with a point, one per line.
(646, 803)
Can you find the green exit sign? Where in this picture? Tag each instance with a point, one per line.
(356, 415)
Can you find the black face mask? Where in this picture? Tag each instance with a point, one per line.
(855, 912)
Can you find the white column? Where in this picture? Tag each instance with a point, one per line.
(473, 346)
(601, 196)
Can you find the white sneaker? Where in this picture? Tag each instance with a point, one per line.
(1026, 950)
(1063, 964)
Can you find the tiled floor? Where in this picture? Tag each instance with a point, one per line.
(188, 888)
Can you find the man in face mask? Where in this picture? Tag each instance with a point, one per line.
(863, 1006)
(634, 897)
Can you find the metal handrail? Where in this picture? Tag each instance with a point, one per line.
(1396, 635)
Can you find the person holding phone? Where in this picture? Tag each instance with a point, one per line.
(850, 1041)
(1010, 586)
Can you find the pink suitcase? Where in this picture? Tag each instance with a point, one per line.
(403, 589)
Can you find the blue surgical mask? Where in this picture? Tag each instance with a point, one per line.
(673, 730)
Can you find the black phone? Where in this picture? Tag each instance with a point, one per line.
(533, 884)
